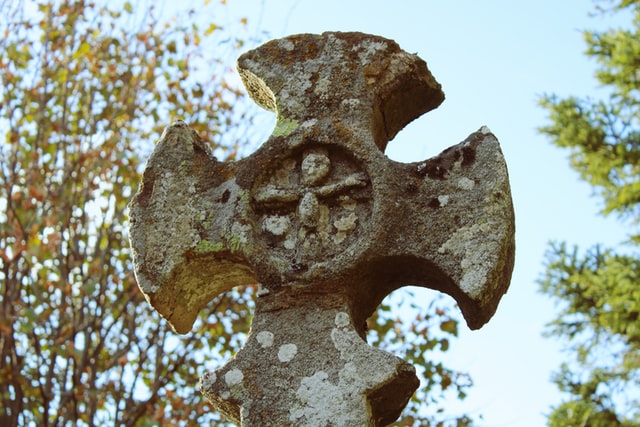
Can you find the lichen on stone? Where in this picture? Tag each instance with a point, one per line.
(284, 126)
(238, 238)
(287, 352)
(205, 246)
(233, 377)
(265, 339)
(277, 225)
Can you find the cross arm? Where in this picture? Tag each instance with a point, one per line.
(447, 224)
(187, 242)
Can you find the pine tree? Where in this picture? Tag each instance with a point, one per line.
(598, 290)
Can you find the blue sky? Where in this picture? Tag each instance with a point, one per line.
(493, 59)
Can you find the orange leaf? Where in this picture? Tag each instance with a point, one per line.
(36, 193)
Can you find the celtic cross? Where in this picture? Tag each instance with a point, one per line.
(327, 225)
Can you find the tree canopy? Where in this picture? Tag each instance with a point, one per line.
(85, 89)
(598, 290)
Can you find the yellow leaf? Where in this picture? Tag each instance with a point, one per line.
(211, 29)
(63, 73)
(82, 50)
(127, 7)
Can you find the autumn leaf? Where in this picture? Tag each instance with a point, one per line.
(210, 29)
(88, 86)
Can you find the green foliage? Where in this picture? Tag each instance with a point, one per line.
(83, 90)
(598, 291)
(600, 308)
(603, 136)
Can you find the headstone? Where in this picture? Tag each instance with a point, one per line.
(327, 225)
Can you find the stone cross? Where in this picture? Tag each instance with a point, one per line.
(327, 225)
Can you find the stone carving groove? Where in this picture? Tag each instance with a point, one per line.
(312, 204)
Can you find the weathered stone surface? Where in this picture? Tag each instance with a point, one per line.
(327, 224)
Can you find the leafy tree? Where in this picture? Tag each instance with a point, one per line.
(85, 88)
(599, 290)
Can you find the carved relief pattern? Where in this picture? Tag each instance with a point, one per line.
(312, 204)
